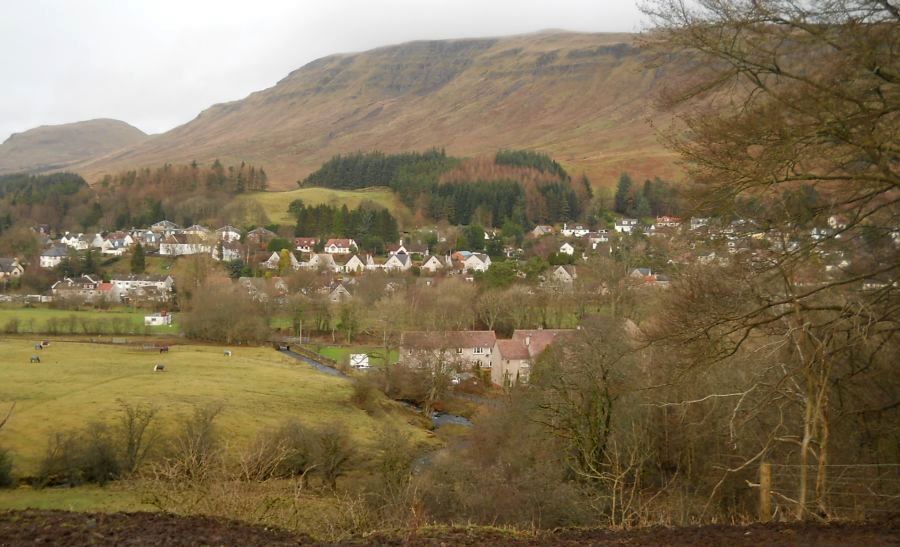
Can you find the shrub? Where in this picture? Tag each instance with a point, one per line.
(11, 326)
(6, 476)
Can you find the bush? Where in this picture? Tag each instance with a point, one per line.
(75, 458)
(6, 476)
(365, 395)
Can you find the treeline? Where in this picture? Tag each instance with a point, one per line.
(185, 194)
(521, 186)
(369, 225)
(654, 198)
(365, 169)
(534, 160)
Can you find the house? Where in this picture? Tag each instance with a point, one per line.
(397, 263)
(477, 262)
(274, 261)
(626, 225)
(116, 243)
(53, 256)
(338, 293)
(666, 221)
(75, 241)
(197, 230)
(305, 244)
(158, 319)
(260, 237)
(461, 349)
(230, 249)
(432, 265)
(10, 269)
(598, 237)
(261, 289)
(567, 248)
(228, 233)
(147, 238)
(642, 274)
(126, 283)
(182, 245)
(574, 231)
(352, 264)
(512, 359)
(165, 227)
(84, 287)
(407, 249)
(340, 246)
(699, 222)
(541, 230)
(96, 241)
(320, 261)
(564, 275)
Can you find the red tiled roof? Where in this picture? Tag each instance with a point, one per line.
(512, 349)
(538, 340)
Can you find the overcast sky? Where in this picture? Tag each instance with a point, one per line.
(157, 63)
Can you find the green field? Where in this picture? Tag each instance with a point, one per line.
(78, 382)
(44, 320)
(275, 204)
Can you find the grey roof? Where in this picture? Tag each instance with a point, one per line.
(56, 250)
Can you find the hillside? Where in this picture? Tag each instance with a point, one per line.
(583, 98)
(52, 147)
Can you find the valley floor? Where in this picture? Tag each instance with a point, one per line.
(60, 527)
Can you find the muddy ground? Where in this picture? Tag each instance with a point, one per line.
(34, 527)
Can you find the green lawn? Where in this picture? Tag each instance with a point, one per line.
(155, 265)
(78, 382)
(118, 320)
(276, 204)
(342, 353)
(110, 499)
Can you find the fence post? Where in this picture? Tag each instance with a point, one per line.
(765, 492)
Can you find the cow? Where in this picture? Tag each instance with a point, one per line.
(35, 359)
(164, 349)
(38, 346)
(159, 368)
(227, 353)
(45, 343)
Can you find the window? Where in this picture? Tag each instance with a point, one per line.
(478, 350)
(459, 350)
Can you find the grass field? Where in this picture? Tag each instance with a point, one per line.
(155, 265)
(35, 320)
(78, 382)
(111, 499)
(275, 204)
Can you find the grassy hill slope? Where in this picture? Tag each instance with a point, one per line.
(80, 382)
(583, 98)
(52, 147)
(275, 204)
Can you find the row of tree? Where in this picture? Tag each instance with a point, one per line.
(367, 224)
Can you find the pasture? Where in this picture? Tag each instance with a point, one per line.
(275, 204)
(44, 320)
(80, 382)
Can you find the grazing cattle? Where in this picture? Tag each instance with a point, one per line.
(35, 359)
(38, 346)
(159, 368)
(227, 353)
(164, 349)
(45, 343)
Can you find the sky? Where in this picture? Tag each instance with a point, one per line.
(156, 64)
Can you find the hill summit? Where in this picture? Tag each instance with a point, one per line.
(51, 147)
(582, 98)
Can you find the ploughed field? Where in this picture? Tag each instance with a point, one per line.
(79, 382)
(65, 528)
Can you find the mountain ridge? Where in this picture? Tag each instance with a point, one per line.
(583, 98)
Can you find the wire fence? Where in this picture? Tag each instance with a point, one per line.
(852, 491)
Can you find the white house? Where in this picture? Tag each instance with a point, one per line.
(228, 233)
(305, 244)
(75, 241)
(433, 264)
(477, 262)
(567, 248)
(181, 245)
(574, 231)
(340, 246)
(158, 319)
(353, 264)
(53, 256)
(564, 274)
(397, 263)
(274, 261)
(165, 227)
(230, 249)
(320, 261)
(626, 225)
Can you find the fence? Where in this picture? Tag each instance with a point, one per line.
(852, 491)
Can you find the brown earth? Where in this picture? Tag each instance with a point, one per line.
(585, 99)
(65, 528)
